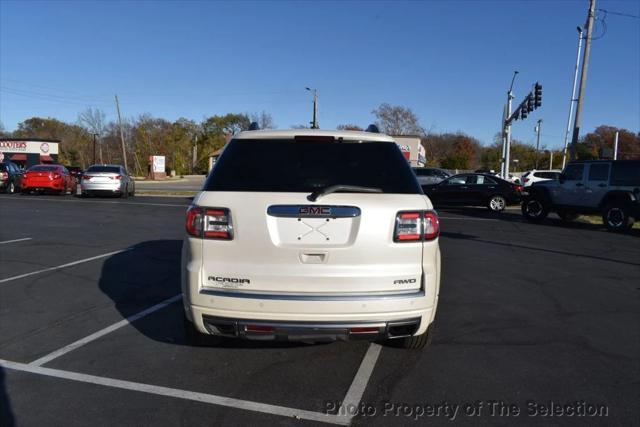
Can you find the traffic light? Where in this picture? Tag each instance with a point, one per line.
(524, 112)
(537, 91)
(530, 103)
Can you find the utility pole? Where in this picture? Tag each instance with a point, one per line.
(314, 122)
(615, 146)
(583, 77)
(94, 147)
(124, 153)
(573, 98)
(538, 142)
(506, 149)
(550, 159)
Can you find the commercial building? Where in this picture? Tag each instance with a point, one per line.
(26, 152)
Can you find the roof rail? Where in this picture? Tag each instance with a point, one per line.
(372, 129)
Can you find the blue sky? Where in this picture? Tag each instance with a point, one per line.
(449, 61)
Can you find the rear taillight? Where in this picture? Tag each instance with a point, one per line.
(217, 224)
(210, 223)
(525, 180)
(86, 177)
(56, 176)
(431, 225)
(519, 188)
(194, 221)
(408, 227)
(4, 176)
(416, 226)
(118, 177)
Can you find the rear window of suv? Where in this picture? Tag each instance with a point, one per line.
(626, 173)
(270, 165)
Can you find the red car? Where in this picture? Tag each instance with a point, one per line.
(50, 178)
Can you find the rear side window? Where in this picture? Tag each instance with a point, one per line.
(306, 166)
(626, 173)
(109, 169)
(599, 172)
(43, 168)
(574, 172)
(424, 172)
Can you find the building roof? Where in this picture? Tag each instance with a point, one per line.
(31, 139)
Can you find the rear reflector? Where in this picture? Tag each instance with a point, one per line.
(365, 330)
(261, 329)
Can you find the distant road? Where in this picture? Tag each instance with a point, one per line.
(188, 183)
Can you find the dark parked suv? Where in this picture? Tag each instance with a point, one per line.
(608, 187)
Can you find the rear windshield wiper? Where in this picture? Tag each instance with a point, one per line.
(339, 187)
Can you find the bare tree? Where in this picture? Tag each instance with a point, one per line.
(349, 127)
(264, 120)
(397, 120)
(94, 121)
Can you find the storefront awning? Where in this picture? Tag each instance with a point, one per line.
(19, 157)
(45, 158)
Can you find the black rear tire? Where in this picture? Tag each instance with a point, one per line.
(534, 209)
(196, 338)
(617, 218)
(125, 193)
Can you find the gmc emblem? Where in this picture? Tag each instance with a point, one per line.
(404, 281)
(315, 210)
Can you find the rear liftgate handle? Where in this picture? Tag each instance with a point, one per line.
(314, 257)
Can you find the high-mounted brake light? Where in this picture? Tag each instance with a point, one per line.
(431, 225)
(209, 223)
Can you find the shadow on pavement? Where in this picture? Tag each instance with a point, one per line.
(148, 274)
(6, 414)
(462, 236)
(516, 216)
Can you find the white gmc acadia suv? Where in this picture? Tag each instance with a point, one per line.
(311, 235)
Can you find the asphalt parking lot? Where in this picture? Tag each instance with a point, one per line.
(530, 316)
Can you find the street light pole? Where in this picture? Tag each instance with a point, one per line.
(538, 142)
(506, 148)
(314, 122)
(583, 78)
(573, 98)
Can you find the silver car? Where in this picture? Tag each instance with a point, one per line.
(107, 180)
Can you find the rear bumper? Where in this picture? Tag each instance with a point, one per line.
(108, 186)
(311, 317)
(316, 331)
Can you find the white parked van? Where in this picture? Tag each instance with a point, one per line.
(311, 235)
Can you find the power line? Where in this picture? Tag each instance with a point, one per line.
(619, 13)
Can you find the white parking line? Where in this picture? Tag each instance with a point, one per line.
(15, 240)
(177, 393)
(66, 349)
(352, 399)
(36, 199)
(8, 279)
